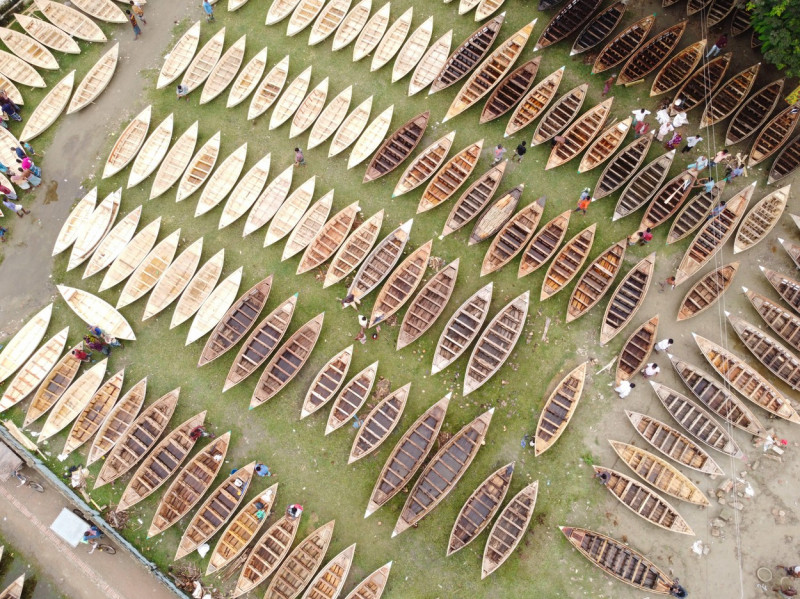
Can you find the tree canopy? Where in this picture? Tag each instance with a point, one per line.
(777, 23)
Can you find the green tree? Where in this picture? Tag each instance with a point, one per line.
(777, 23)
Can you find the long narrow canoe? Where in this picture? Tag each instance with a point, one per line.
(668, 199)
(637, 349)
(774, 134)
(643, 186)
(678, 68)
(424, 165)
(787, 288)
(102, 10)
(271, 199)
(328, 582)
(730, 96)
(34, 370)
(510, 90)
(512, 237)
(71, 21)
(309, 109)
(330, 118)
(199, 168)
(450, 177)
(392, 40)
(28, 49)
(47, 34)
(694, 213)
(702, 83)
(214, 307)
(203, 62)
(602, 148)
(302, 16)
(431, 63)
(371, 34)
(351, 25)
(246, 192)
(627, 298)
(740, 22)
(780, 320)
(14, 590)
(567, 263)
(354, 249)
(267, 554)
(95, 81)
(787, 162)
(175, 162)
(623, 45)
(180, 56)
(579, 134)
(718, 11)
(49, 108)
(12, 90)
(118, 421)
(298, 569)
(770, 352)
(497, 215)
(596, 280)
(327, 382)
(268, 89)
(279, 10)
(24, 342)
(599, 28)
(648, 57)
(224, 71)
(328, 239)
(544, 244)
(754, 112)
(566, 21)
(152, 268)
(328, 21)
(93, 414)
(622, 167)
(92, 231)
(290, 100)
(401, 284)
(509, 529)
(559, 115)
(372, 586)
(463, 326)
(379, 423)
(174, 279)
(428, 305)
(412, 50)
(761, 219)
(397, 147)
(377, 266)
(152, 152)
(559, 408)
(222, 180)
(353, 395)
(247, 80)
(534, 103)
(128, 143)
(96, 312)
(370, 139)
(53, 386)
(293, 210)
(351, 128)
(476, 197)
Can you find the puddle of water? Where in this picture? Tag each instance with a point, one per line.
(51, 192)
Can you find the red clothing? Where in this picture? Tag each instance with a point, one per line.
(584, 204)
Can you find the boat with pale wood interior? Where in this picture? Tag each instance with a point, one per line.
(290, 100)
(53, 386)
(94, 229)
(463, 326)
(328, 21)
(14, 590)
(393, 39)
(33, 370)
(604, 146)
(47, 34)
(397, 147)
(248, 79)
(353, 395)
(71, 21)
(431, 63)
(622, 167)
(780, 320)
(246, 192)
(372, 33)
(49, 108)
(199, 168)
(330, 118)
(643, 186)
(128, 143)
(222, 180)
(707, 291)
(224, 71)
(510, 90)
(102, 10)
(543, 244)
(678, 68)
(627, 298)
(509, 529)
(694, 213)
(118, 421)
(761, 219)
(380, 262)
(424, 165)
(310, 108)
(152, 153)
(401, 284)
(730, 96)
(513, 237)
(787, 288)
(354, 249)
(279, 10)
(93, 414)
(370, 139)
(175, 162)
(754, 112)
(302, 16)
(559, 115)
(774, 134)
(174, 279)
(579, 134)
(413, 49)
(327, 382)
(567, 263)
(214, 307)
(450, 177)
(328, 582)
(267, 554)
(299, 567)
(476, 197)
(293, 209)
(204, 62)
(351, 127)
(269, 89)
(180, 56)
(269, 201)
(566, 22)
(599, 28)
(559, 408)
(428, 305)
(372, 586)
(779, 360)
(636, 350)
(379, 423)
(24, 342)
(623, 45)
(649, 56)
(150, 271)
(596, 280)
(308, 226)
(497, 215)
(97, 312)
(28, 49)
(328, 239)
(351, 25)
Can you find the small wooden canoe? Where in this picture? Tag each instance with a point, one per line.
(754, 112)
(372, 586)
(24, 342)
(659, 473)
(566, 21)
(94, 229)
(467, 56)
(623, 45)
(118, 421)
(380, 262)
(298, 569)
(49, 108)
(75, 399)
(190, 485)
(544, 244)
(480, 508)
(534, 103)
(643, 186)
(328, 239)
(787, 288)
(102, 10)
(740, 22)
(627, 298)
(12, 90)
(96, 312)
(137, 439)
(53, 386)
(509, 529)
(222, 180)
(279, 10)
(370, 139)
(694, 213)
(71, 21)
(779, 360)
(270, 200)
(474, 199)
(561, 113)
(152, 152)
(330, 118)
(622, 166)
(28, 49)
(371, 34)
(350, 399)
(774, 134)
(647, 58)
(292, 211)
(401, 284)
(267, 554)
(431, 64)
(559, 408)
(577, 136)
(204, 62)
(761, 219)
(93, 414)
(702, 83)
(214, 307)
(302, 16)
(787, 161)
(128, 143)
(327, 382)
(716, 397)
(487, 8)
(47, 34)
(424, 165)
(198, 168)
(150, 270)
(180, 56)
(443, 472)
(16, 69)
(14, 590)
(718, 11)
(512, 237)
(33, 370)
(605, 145)
(463, 326)
(678, 68)
(309, 109)
(379, 423)
(351, 25)
(246, 192)
(397, 147)
(354, 249)
(408, 455)
(510, 90)
(599, 28)
(695, 6)
(729, 97)
(596, 280)
(617, 559)
(290, 100)
(247, 80)
(174, 279)
(268, 90)
(328, 21)
(412, 50)
(713, 235)
(489, 72)
(668, 199)
(114, 243)
(428, 305)
(328, 582)
(287, 361)
(95, 81)
(393, 39)
(780, 320)
(497, 215)
(450, 177)
(567, 263)
(175, 162)
(351, 128)
(224, 71)
(637, 350)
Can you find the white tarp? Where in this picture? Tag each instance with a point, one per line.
(69, 527)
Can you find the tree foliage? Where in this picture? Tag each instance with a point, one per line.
(777, 23)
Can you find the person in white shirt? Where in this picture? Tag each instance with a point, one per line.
(663, 345)
(624, 388)
(680, 119)
(651, 370)
(662, 116)
(639, 115)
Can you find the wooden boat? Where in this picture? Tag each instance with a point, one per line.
(34, 369)
(298, 569)
(102, 10)
(567, 263)
(308, 226)
(428, 305)
(224, 71)
(291, 211)
(222, 180)
(96, 312)
(268, 89)
(489, 72)
(754, 112)
(268, 202)
(716, 397)
(247, 191)
(707, 291)
(204, 62)
(694, 213)
(678, 68)
(443, 472)
(214, 307)
(487, 8)
(350, 399)
(702, 83)
(327, 382)
(596, 280)
(330, 118)
(24, 342)
(287, 361)
(112, 244)
(70, 21)
(668, 199)
(393, 39)
(729, 97)
(643, 186)
(89, 418)
(152, 152)
(467, 56)
(190, 485)
(512, 237)
(480, 508)
(128, 143)
(180, 56)
(132, 445)
(605, 145)
(623, 45)
(787, 162)
(566, 21)
(474, 199)
(648, 57)
(351, 25)
(291, 99)
(412, 50)
(328, 21)
(174, 279)
(424, 165)
(53, 386)
(696, 6)
(740, 23)
(198, 168)
(47, 34)
(216, 510)
(786, 287)
(462, 328)
(151, 269)
(328, 582)
(279, 10)
(450, 177)
(49, 109)
(496, 216)
(372, 33)
(509, 528)
(761, 219)
(599, 28)
(622, 166)
(397, 147)
(380, 262)
(713, 235)
(379, 423)
(659, 473)
(248, 79)
(351, 128)
(11, 90)
(175, 162)
(559, 408)
(14, 590)
(560, 114)
(354, 249)
(241, 530)
(302, 16)
(370, 139)
(408, 455)
(328, 239)
(719, 11)
(118, 421)
(401, 284)
(28, 49)
(94, 228)
(267, 554)
(577, 136)
(76, 221)
(510, 90)
(234, 5)
(637, 350)
(771, 353)
(544, 244)
(431, 64)
(534, 102)
(780, 320)
(309, 109)
(774, 134)
(373, 585)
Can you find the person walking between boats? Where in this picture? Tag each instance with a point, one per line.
(209, 10)
(138, 11)
(583, 201)
(82, 355)
(520, 152)
(294, 511)
(299, 158)
(646, 236)
(262, 469)
(699, 164)
(499, 152)
(18, 209)
(691, 142)
(718, 46)
(136, 31)
(674, 142)
(663, 345)
(607, 85)
(650, 370)
(624, 388)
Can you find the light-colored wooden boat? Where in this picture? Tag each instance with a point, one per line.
(443, 472)
(371, 34)
(267, 554)
(268, 89)
(28, 49)
(287, 361)
(707, 291)
(599, 28)
(424, 165)
(509, 528)
(761, 219)
(351, 128)
(787, 161)
(199, 168)
(291, 99)
(246, 192)
(401, 284)
(380, 262)
(96, 312)
(643, 186)
(397, 147)
(351, 25)
(290, 212)
(308, 226)
(602, 148)
(431, 64)
(309, 109)
(214, 307)
(474, 199)
(152, 153)
(408, 455)
(328, 239)
(11, 90)
(625, 43)
(14, 590)
(279, 10)
(330, 118)
(379, 423)
(199, 288)
(754, 112)
(102, 10)
(222, 181)
(298, 569)
(774, 134)
(730, 96)
(627, 298)
(328, 21)
(512, 237)
(302, 16)
(53, 386)
(327, 382)
(224, 71)
(131, 255)
(94, 229)
(678, 68)
(463, 326)
(190, 485)
(412, 50)
(579, 134)
(543, 244)
(112, 244)
(560, 114)
(622, 166)
(487, 8)
(510, 90)
(567, 263)
(350, 399)
(75, 398)
(428, 305)
(566, 22)
(328, 582)
(180, 56)
(450, 177)
(151, 269)
(372, 586)
(702, 83)
(24, 342)
(71, 21)
(559, 408)
(534, 102)
(668, 199)
(780, 320)
(118, 421)
(787, 288)
(370, 139)
(175, 162)
(648, 57)
(89, 420)
(49, 109)
(270, 200)
(234, 5)
(248, 78)
(354, 249)
(95, 81)
(203, 62)
(694, 213)
(128, 144)
(464, 6)
(47, 34)
(33, 370)
(637, 349)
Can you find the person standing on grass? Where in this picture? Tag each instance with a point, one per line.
(646, 236)
(607, 85)
(520, 151)
(209, 10)
(583, 201)
(719, 45)
(138, 11)
(8, 201)
(680, 119)
(299, 158)
(699, 164)
(136, 31)
(182, 92)
(639, 115)
(691, 142)
(499, 152)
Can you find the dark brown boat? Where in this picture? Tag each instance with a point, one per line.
(787, 288)
(627, 298)
(428, 305)
(510, 91)
(462, 328)
(566, 22)
(397, 147)
(755, 41)
(327, 382)
(787, 161)
(267, 554)
(474, 199)
(450, 177)
(605, 145)
(637, 349)
(719, 11)
(329, 238)
(467, 56)
(424, 165)
(509, 529)
(567, 263)
(642, 187)
(678, 68)
(599, 28)
(647, 58)
(774, 135)
(740, 23)
(624, 44)
(754, 112)
(707, 291)
(695, 6)
(512, 237)
(559, 408)
(702, 83)
(728, 97)
(779, 360)
(379, 423)
(622, 166)
(496, 216)
(544, 244)
(297, 571)
(579, 134)
(560, 114)
(534, 102)
(668, 199)
(596, 280)
(352, 396)
(780, 320)
(694, 213)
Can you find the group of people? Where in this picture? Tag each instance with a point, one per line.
(95, 340)
(135, 14)
(624, 387)
(26, 176)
